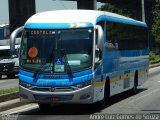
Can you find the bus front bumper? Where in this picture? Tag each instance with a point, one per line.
(80, 96)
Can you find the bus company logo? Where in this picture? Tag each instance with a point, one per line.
(52, 89)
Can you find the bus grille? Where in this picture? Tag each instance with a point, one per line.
(57, 89)
(53, 97)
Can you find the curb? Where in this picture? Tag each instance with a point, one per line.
(11, 104)
(154, 65)
(9, 96)
(9, 101)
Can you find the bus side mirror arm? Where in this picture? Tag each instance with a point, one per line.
(13, 37)
(100, 37)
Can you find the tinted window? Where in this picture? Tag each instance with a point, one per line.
(126, 37)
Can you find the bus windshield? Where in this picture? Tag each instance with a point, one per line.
(56, 51)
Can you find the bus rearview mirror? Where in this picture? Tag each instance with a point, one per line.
(13, 37)
(100, 37)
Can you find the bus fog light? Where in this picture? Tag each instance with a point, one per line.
(26, 85)
(24, 96)
(84, 96)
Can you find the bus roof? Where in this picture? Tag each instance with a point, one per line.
(75, 18)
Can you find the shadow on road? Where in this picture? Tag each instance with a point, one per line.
(124, 95)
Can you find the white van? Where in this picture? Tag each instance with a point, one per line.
(9, 64)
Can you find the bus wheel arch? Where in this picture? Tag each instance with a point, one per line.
(105, 101)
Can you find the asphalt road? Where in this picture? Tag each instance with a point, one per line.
(6, 83)
(146, 101)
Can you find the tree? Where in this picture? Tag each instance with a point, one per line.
(156, 22)
(115, 9)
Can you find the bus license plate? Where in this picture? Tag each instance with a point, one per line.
(5, 69)
(53, 99)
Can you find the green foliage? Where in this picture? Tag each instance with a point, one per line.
(156, 23)
(115, 9)
(10, 90)
(154, 58)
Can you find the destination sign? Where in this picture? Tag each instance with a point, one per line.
(42, 32)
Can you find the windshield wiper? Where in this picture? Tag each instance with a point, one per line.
(39, 70)
(42, 67)
(69, 71)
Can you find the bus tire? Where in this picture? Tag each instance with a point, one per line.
(44, 106)
(103, 103)
(134, 89)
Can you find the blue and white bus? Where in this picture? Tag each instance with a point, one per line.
(80, 56)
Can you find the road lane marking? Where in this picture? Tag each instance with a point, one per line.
(24, 109)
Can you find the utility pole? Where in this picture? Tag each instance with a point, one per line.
(95, 4)
(19, 12)
(88, 4)
(143, 10)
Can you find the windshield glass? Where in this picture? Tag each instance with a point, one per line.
(56, 51)
(5, 54)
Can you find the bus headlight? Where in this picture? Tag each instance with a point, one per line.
(26, 85)
(84, 84)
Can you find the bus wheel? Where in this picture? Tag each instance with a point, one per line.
(44, 107)
(134, 89)
(0, 76)
(103, 103)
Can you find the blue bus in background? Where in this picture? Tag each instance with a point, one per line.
(80, 56)
(4, 31)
